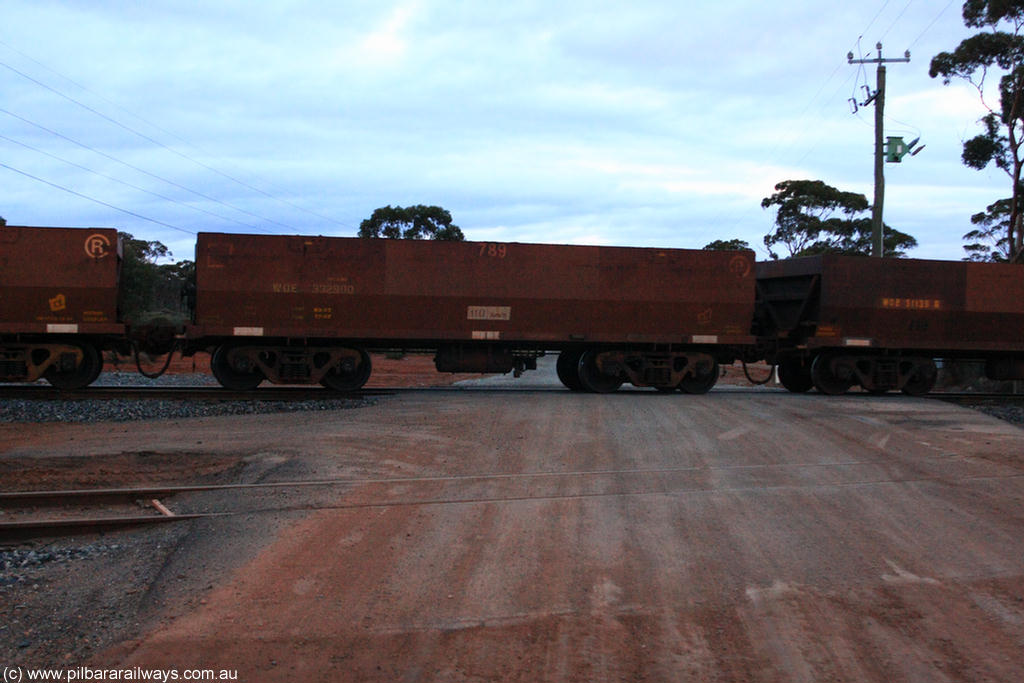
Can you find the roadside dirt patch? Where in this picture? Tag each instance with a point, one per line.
(550, 536)
(141, 468)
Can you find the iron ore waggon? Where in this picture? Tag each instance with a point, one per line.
(59, 292)
(294, 309)
(832, 322)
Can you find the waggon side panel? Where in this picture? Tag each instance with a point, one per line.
(416, 290)
(58, 280)
(911, 303)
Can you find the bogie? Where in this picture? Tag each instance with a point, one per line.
(834, 373)
(68, 365)
(243, 367)
(692, 372)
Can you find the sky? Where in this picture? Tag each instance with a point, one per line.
(633, 123)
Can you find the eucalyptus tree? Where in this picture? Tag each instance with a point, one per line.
(998, 47)
(411, 223)
(812, 217)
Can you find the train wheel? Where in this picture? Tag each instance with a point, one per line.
(233, 376)
(348, 377)
(700, 383)
(795, 375)
(567, 368)
(82, 376)
(825, 377)
(591, 377)
(922, 380)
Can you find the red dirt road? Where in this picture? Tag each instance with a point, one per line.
(738, 536)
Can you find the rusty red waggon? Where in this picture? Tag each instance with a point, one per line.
(308, 309)
(832, 322)
(59, 292)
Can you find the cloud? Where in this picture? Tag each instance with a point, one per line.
(630, 123)
(388, 42)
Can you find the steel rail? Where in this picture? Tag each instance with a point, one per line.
(51, 497)
(967, 395)
(303, 393)
(42, 528)
(71, 526)
(37, 528)
(205, 393)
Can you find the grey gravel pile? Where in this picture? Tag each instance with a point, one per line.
(17, 565)
(1009, 413)
(128, 379)
(124, 410)
(118, 410)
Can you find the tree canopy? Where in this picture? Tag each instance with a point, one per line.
(411, 223)
(989, 241)
(150, 290)
(727, 245)
(813, 217)
(1003, 127)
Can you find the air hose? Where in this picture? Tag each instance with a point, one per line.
(746, 371)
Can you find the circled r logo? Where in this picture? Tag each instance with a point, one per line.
(739, 266)
(97, 245)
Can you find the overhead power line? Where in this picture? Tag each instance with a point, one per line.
(140, 170)
(96, 201)
(929, 26)
(873, 20)
(896, 20)
(127, 184)
(134, 132)
(149, 138)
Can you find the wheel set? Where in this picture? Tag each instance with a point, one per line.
(600, 372)
(833, 374)
(244, 367)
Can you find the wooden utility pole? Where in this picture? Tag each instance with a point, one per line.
(879, 99)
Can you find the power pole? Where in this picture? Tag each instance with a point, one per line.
(879, 99)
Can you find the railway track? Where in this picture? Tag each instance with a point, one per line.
(976, 399)
(81, 511)
(85, 511)
(300, 393)
(40, 392)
